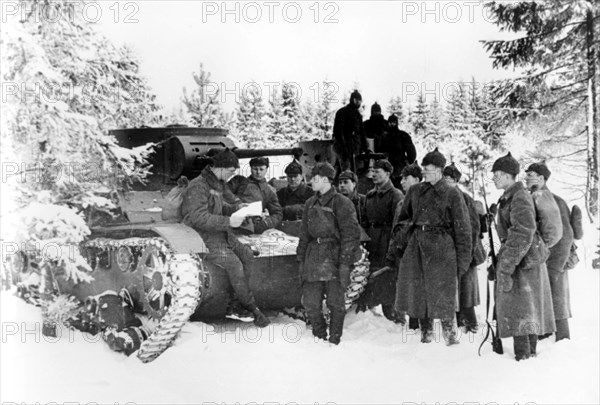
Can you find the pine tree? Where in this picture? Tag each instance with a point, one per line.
(396, 107)
(432, 137)
(325, 115)
(558, 50)
(251, 119)
(203, 103)
(74, 86)
(292, 117)
(420, 116)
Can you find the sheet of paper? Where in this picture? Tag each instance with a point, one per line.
(252, 210)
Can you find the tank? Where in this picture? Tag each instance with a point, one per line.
(159, 268)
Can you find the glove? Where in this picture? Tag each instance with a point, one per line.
(505, 282)
(344, 275)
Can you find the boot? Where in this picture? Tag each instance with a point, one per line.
(336, 326)
(413, 323)
(533, 339)
(562, 329)
(426, 326)
(260, 319)
(449, 332)
(522, 347)
(467, 318)
(391, 314)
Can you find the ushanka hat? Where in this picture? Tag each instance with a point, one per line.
(259, 161)
(323, 169)
(413, 170)
(540, 168)
(434, 158)
(226, 158)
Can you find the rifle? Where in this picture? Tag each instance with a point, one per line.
(496, 341)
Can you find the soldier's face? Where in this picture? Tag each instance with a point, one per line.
(408, 181)
(294, 180)
(371, 170)
(380, 176)
(431, 174)
(357, 102)
(347, 187)
(317, 182)
(450, 181)
(533, 180)
(258, 172)
(224, 173)
(501, 180)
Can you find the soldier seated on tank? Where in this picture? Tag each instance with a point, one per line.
(293, 197)
(255, 188)
(207, 205)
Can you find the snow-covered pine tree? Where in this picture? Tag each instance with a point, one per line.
(325, 115)
(558, 49)
(203, 104)
(420, 117)
(291, 114)
(251, 119)
(68, 86)
(308, 114)
(395, 106)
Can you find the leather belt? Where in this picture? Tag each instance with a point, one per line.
(431, 228)
(324, 240)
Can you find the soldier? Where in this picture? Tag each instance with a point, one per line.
(347, 186)
(207, 203)
(381, 203)
(399, 147)
(293, 197)
(329, 245)
(438, 250)
(523, 297)
(349, 138)
(411, 175)
(375, 126)
(469, 282)
(537, 177)
(255, 188)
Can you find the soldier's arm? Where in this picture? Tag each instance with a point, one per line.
(231, 202)
(274, 208)
(461, 225)
(198, 216)
(520, 234)
(349, 230)
(303, 242)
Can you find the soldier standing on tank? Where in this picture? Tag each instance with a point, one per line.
(536, 179)
(206, 206)
(255, 188)
(438, 250)
(523, 297)
(375, 126)
(469, 282)
(400, 148)
(381, 204)
(349, 138)
(329, 245)
(293, 197)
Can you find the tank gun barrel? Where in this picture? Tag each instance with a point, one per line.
(251, 153)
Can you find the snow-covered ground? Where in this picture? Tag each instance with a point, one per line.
(377, 362)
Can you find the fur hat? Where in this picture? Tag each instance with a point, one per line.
(413, 170)
(259, 161)
(293, 168)
(434, 158)
(383, 164)
(348, 175)
(540, 168)
(226, 158)
(507, 164)
(375, 109)
(323, 169)
(452, 171)
(355, 94)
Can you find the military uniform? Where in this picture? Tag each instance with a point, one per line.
(349, 138)
(249, 189)
(292, 201)
(329, 237)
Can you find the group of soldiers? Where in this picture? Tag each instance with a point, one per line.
(424, 242)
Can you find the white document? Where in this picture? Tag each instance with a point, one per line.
(251, 210)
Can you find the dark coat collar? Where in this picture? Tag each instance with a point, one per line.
(511, 191)
(324, 199)
(386, 187)
(211, 179)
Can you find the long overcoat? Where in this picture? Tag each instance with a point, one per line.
(469, 282)
(547, 213)
(559, 254)
(380, 207)
(438, 251)
(329, 236)
(349, 132)
(527, 308)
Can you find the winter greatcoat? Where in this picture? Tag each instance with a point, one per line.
(559, 253)
(206, 206)
(375, 127)
(248, 189)
(400, 149)
(380, 207)
(292, 201)
(439, 251)
(469, 282)
(329, 236)
(348, 135)
(548, 218)
(527, 308)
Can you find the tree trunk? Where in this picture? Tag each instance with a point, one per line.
(593, 126)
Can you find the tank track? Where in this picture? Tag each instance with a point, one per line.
(180, 278)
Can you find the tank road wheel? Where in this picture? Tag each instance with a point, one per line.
(171, 294)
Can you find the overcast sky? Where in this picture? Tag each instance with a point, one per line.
(390, 48)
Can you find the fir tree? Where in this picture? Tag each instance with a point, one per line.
(396, 107)
(203, 103)
(251, 119)
(420, 116)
